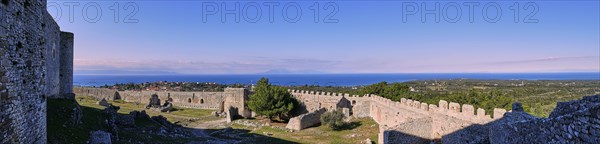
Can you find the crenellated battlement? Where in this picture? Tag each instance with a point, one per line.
(391, 113)
(464, 112)
(318, 93)
(430, 121)
(409, 116)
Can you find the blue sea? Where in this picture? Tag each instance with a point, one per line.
(324, 79)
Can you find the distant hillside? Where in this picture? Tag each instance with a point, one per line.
(286, 71)
(121, 72)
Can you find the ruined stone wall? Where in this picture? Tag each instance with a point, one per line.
(361, 107)
(450, 122)
(30, 42)
(66, 64)
(312, 101)
(386, 111)
(576, 121)
(52, 55)
(409, 132)
(236, 98)
(98, 93)
(204, 100)
(231, 97)
(305, 120)
(231, 112)
(452, 130)
(389, 113)
(313, 104)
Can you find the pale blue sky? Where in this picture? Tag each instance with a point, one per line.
(369, 37)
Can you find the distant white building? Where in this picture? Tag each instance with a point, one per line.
(412, 89)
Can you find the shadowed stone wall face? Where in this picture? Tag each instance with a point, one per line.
(66, 63)
(406, 132)
(52, 48)
(571, 122)
(30, 44)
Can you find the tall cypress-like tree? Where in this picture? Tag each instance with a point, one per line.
(271, 101)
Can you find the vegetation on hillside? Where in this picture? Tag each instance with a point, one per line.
(173, 86)
(271, 101)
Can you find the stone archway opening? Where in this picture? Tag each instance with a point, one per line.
(201, 101)
(116, 96)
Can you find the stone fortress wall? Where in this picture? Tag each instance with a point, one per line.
(230, 98)
(35, 64)
(429, 121)
(410, 121)
(407, 121)
(411, 117)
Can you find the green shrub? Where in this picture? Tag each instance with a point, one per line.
(333, 119)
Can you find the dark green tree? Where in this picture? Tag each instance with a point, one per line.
(271, 101)
(377, 88)
(393, 91)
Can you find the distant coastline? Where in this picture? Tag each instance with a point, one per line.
(326, 79)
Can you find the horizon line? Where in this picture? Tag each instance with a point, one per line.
(174, 74)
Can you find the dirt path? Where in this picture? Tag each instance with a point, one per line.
(211, 124)
(199, 129)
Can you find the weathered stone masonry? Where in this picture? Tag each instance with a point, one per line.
(30, 59)
(410, 121)
(230, 98)
(66, 64)
(571, 122)
(423, 120)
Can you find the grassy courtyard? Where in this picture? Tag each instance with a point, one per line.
(180, 115)
(359, 131)
(93, 119)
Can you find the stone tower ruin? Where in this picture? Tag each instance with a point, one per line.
(36, 63)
